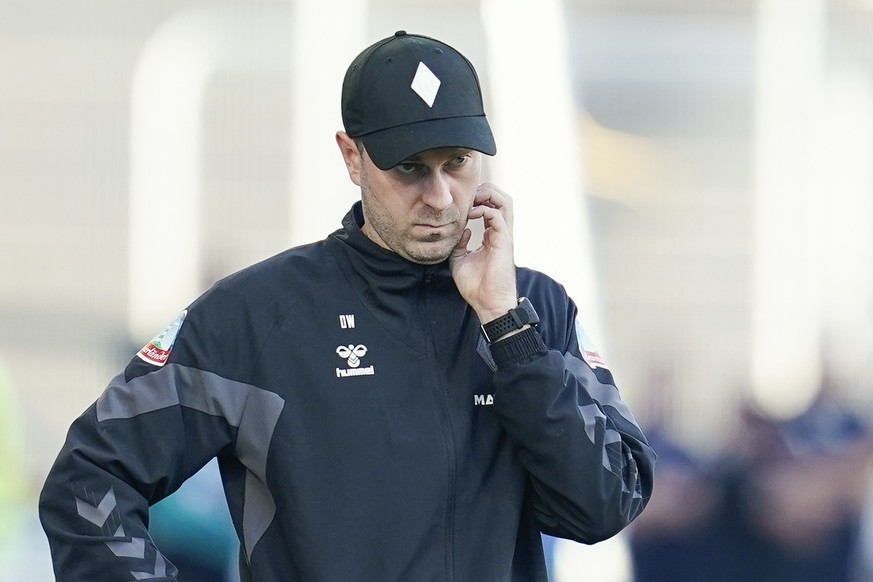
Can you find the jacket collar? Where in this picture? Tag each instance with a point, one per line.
(391, 287)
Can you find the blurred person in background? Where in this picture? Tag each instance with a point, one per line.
(783, 502)
(665, 540)
(662, 540)
(386, 404)
(793, 502)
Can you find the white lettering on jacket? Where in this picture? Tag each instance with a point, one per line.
(368, 371)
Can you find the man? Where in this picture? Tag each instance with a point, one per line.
(385, 404)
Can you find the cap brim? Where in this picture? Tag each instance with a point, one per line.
(389, 147)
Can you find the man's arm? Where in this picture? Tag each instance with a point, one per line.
(137, 444)
(591, 467)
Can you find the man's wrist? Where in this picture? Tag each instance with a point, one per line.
(489, 315)
(518, 318)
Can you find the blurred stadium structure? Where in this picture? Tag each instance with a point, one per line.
(701, 168)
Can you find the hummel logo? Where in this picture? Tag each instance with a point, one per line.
(352, 354)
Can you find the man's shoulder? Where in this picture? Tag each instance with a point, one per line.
(531, 281)
(289, 266)
(275, 279)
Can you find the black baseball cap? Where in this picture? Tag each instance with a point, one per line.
(409, 93)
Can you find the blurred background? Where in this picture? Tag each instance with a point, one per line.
(697, 172)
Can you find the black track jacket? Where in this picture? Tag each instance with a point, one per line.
(364, 429)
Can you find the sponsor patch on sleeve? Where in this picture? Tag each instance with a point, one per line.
(158, 350)
(586, 346)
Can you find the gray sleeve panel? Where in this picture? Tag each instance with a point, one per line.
(606, 398)
(603, 394)
(252, 410)
(253, 440)
(174, 385)
(258, 512)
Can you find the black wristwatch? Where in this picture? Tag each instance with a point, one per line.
(518, 317)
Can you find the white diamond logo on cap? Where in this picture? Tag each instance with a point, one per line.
(426, 84)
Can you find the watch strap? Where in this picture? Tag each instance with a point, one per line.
(516, 318)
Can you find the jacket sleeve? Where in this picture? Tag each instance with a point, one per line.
(152, 428)
(590, 466)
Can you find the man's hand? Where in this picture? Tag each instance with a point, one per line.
(485, 277)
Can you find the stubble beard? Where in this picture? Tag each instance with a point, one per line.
(427, 250)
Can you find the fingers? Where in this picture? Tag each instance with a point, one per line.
(497, 233)
(460, 249)
(491, 197)
(487, 213)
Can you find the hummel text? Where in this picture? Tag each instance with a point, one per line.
(368, 371)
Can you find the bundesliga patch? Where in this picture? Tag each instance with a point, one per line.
(586, 346)
(158, 350)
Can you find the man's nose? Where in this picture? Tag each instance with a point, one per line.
(438, 192)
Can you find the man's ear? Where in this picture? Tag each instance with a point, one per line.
(351, 156)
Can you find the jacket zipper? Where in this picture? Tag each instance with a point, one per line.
(448, 435)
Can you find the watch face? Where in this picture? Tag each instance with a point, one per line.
(527, 312)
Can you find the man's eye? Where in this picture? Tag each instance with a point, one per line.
(406, 168)
(461, 160)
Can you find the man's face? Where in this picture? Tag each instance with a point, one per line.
(418, 209)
